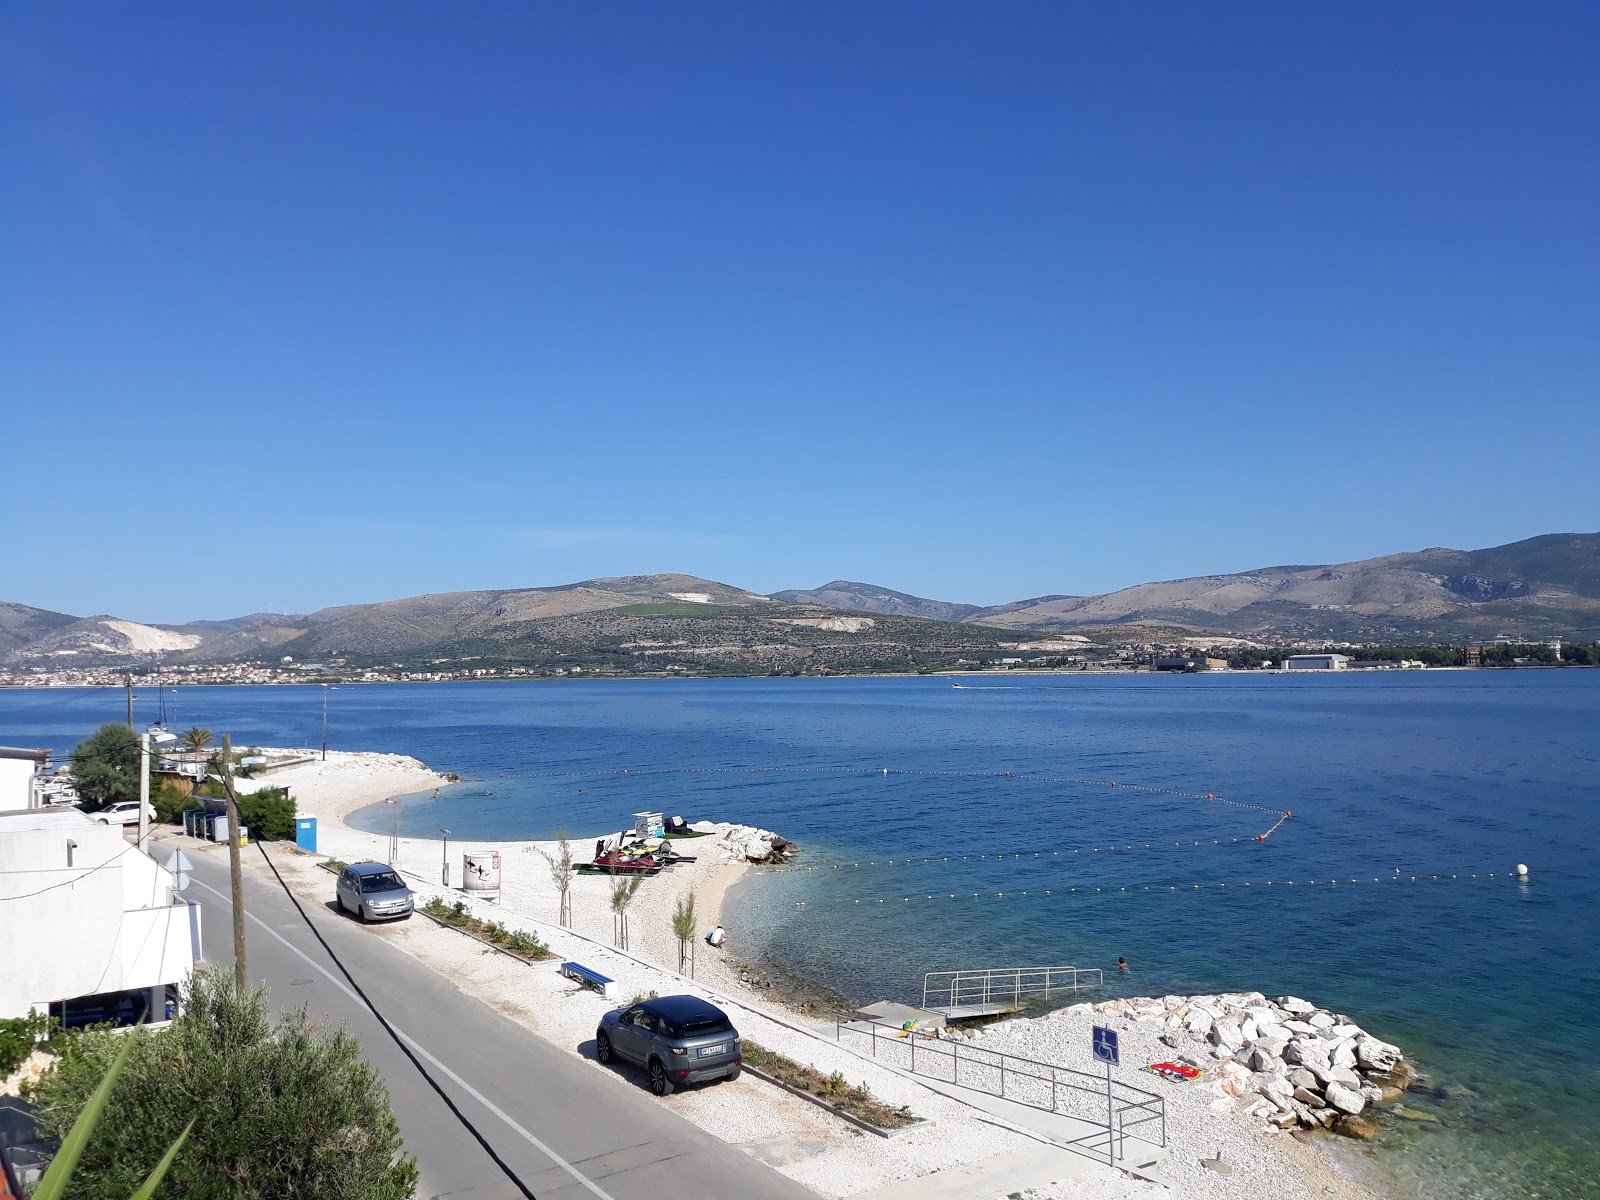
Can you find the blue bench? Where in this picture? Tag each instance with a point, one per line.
(590, 978)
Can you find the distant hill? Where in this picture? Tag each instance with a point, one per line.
(639, 622)
(867, 597)
(1542, 587)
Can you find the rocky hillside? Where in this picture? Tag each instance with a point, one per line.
(648, 623)
(1544, 586)
(867, 597)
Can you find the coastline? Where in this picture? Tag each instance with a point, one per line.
(1264, 1162)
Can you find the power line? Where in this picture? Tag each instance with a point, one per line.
(395, 1036)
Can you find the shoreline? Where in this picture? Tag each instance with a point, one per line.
(353, 781)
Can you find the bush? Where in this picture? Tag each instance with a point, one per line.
(105, 766)
(281, 1106)
(18, 1038)
(268, 815)
(170, 803)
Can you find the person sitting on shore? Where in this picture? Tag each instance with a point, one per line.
(717, 938)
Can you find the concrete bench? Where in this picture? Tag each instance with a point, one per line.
(590, 978)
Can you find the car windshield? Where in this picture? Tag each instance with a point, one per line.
(383, 881)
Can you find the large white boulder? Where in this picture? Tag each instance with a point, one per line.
(1226, 1035)
(1346, 1100)
(1344, 1053)
(1374, 1055)
(1297, 1006)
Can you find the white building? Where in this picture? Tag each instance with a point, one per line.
(1316, 662)
(85, 914)
(17, 769)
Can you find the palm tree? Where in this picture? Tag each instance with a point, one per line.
(197, 739)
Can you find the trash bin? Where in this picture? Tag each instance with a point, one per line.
(305, 833)
(219, 827)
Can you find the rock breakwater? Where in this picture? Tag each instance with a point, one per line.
(1284, 1061)
(743, 843)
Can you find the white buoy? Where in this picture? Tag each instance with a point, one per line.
(1522, 870)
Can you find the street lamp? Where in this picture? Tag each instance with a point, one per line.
(445, 860)
(326, 688)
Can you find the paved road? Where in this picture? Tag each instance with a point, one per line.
(568, 1134)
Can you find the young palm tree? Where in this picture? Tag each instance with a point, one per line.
(197, 739)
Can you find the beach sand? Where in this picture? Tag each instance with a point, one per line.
(812, 1147)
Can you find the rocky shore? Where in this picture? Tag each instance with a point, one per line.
(1284, 1061)
(744, 843)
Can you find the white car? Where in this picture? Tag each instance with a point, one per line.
(125, 812)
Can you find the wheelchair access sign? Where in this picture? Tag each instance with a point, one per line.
(1105, 1045)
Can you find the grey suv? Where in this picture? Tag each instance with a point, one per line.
(374, 892)
(677, 1039)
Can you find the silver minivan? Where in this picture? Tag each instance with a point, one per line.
(374, 892)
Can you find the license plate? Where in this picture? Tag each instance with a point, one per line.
(705, 1051)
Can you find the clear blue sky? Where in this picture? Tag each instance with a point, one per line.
(306, 304)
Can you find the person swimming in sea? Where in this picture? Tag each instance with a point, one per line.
(1122, 963)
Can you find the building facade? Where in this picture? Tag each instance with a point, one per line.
(88, 921)
(1316, 662)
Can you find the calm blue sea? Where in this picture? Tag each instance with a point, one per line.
(1489, 982)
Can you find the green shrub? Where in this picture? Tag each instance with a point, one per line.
(170, 803)
(268, 815)
(18, 1037)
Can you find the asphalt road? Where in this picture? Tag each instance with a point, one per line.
(566, 1132)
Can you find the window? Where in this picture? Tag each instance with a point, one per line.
(703, 1025)
(381, 881)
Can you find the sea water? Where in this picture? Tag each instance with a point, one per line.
(976, 826)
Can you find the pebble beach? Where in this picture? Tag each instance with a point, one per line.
(1227, 1135)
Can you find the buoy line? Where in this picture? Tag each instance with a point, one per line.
(1147, 789)
(1025, 855)
(1276, 886)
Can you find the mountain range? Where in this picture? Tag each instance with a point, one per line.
(1542, 587)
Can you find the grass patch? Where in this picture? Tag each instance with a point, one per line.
(682, 608)
(856, 1100)
(523, 945)
(333, 864)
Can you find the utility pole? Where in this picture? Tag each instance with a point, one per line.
(144, 788)
(128, 679)
(241, 977)
(324, 722)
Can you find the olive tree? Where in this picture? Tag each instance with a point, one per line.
(105, 766)
(279, 1106)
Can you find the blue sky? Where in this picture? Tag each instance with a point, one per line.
(306, 304)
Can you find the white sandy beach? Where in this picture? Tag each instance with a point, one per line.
(813, 1147)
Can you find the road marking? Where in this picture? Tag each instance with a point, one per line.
(423, 1052)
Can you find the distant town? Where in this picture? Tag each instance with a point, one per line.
(1187, 655)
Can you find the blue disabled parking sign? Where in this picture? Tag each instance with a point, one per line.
(1105, 1045)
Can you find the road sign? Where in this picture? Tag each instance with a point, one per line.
(179, 867)
(1105, 1045)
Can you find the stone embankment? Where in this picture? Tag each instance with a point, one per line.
(1285, 1061)
(743, 843)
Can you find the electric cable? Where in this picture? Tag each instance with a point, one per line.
(466, 1123)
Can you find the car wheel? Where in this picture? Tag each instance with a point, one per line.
(361, 913)
(659, 1083)
(602, 1048)
(104, 820)
(734, 1074)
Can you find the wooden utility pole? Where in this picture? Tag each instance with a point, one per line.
(241, 977)
(128, 679)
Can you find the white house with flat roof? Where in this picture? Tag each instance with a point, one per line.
(1316, 662)
(18, 766)
(88, 921)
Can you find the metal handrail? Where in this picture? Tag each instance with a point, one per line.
(1045, 1086)
(1012, 984)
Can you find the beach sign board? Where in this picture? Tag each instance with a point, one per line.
(1105, 1045)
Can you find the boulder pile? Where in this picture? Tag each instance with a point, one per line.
(744, 843)
(1285, 1061)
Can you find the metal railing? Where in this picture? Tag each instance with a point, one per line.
(1012, 986)
(1046, 1086)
